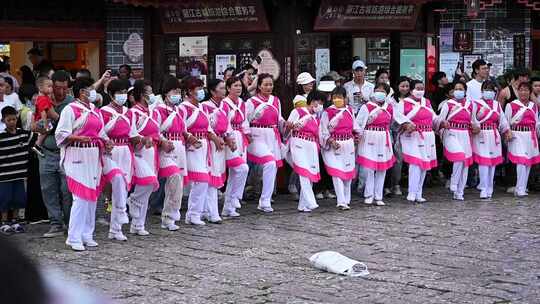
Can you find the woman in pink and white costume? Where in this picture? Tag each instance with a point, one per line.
(375, 152)
(264, 115)
(522, 115)
(336, 135)
(198, 154)
(124, 135)
(303, 151)
(236, 160)
(172, 164)
(487, 144)
(145, 181)
(218, 113)
(455, 126)
(81, 137)
(418, 142)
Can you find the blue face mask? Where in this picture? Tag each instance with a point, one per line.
(175, 99)
(200, 95)
(488, 95)
(379, 96)
(459, 94)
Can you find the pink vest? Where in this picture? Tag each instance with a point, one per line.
(423, 116)
(201, 123)
(462, 117)
(311, 127)
(345, 124)
(151, 128)
(240, 114)
(482, 111)
(121, 128)
(177, 125)
(529, 117)
(217, 115)
(93, 124)
(270, 115)
(383, 118)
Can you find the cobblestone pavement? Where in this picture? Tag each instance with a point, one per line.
(439, 252)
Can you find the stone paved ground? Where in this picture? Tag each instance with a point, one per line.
(439, 252)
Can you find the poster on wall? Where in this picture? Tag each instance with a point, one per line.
(322, 63)
(463, 41)
(193, 56)
(448, 63)
(223, 62)
(413, 63)
(446, 39)
(133, 48)
(497, 64)
(268, 64)
(519, 51)
(468, 61)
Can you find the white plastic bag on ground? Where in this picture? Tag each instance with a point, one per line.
(335, 262)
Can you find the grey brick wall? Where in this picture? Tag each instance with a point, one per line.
(121, 22)
(501, 21)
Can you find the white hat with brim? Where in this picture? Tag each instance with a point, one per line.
(304, 78)
(326, 86)
(298, 98)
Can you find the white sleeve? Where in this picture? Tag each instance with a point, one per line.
(397, 114)
(474, 113)
(250, 108)
(362, 118)
(324, 134)
(508, 113)
(442, 116)
(293, 117)
(64, 126)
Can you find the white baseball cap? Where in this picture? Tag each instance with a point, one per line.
(304, 78)
(326, 86)
(358, 64)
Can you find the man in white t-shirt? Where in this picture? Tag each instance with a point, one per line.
(358, 90)
(480, 74)
(5, 101)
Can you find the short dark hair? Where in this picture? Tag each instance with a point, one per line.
(79, 85)
(212, 85)
(116, 85)
(171, 83)
(520, 72)
(35, 51)
(191, 82)
(315, 95)
(413, 83)
(489, 85)
(534, 79)
(138, 90)
(9, 81)
(60, 76)
(400, 80)
(385, 87)
(380, 72)
(8, 110)
(525, 84)
(231, 81)
(262, 77)
(339, 91)
(127, 66)
(461, 83)
(436, 77)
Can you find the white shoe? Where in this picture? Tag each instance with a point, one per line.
(421, 200)
(411, 197)
(368, 200)
(117, 236)
(237, 204)
(90, 243)
(76, 247)
(511, 190)
(453, 188)
(329, 194)
(397, 190)
(304, 209)
(380, 203)
(266, 209)
(230, 214)
(319, 196)
(521, 194)
(458, 197)
(139, 232)
(170, 226)
(195, 221)
(343, 207)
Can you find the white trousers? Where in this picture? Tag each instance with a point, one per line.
(522, 178)
(416, 181)
(269, 180)
(211, 204)
(174, 190)
(82, 221)
(343, 191)
(119, 200)
(487, 173)
(196, 199)
(374, 184)
(458, 179)
(236, 182)
(138, 205)
(307, 198)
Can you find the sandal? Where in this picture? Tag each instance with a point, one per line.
(6, 229)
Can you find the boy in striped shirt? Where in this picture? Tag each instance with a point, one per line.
(14, 152)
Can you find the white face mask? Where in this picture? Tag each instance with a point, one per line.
(459, 94)
(418, 93)
(175, 99)
(120, 99)
(92, 96)
(488, 95)
(318, 108)
(379, 97)
(151, 99)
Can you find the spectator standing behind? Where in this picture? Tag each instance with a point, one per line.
(440, 81)
(358, 90)
(510, 93)
(125, 73)
(26, 75)
(4, 72)
(44, 109)
(480, 74)
(56, 197)
(40, 64)
(6, 101)
(14, 150)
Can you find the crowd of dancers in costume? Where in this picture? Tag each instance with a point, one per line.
(205, 139)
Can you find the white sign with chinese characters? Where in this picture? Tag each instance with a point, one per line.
(193, 46)
(223, 62)
(448, 62)
(322, 63)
